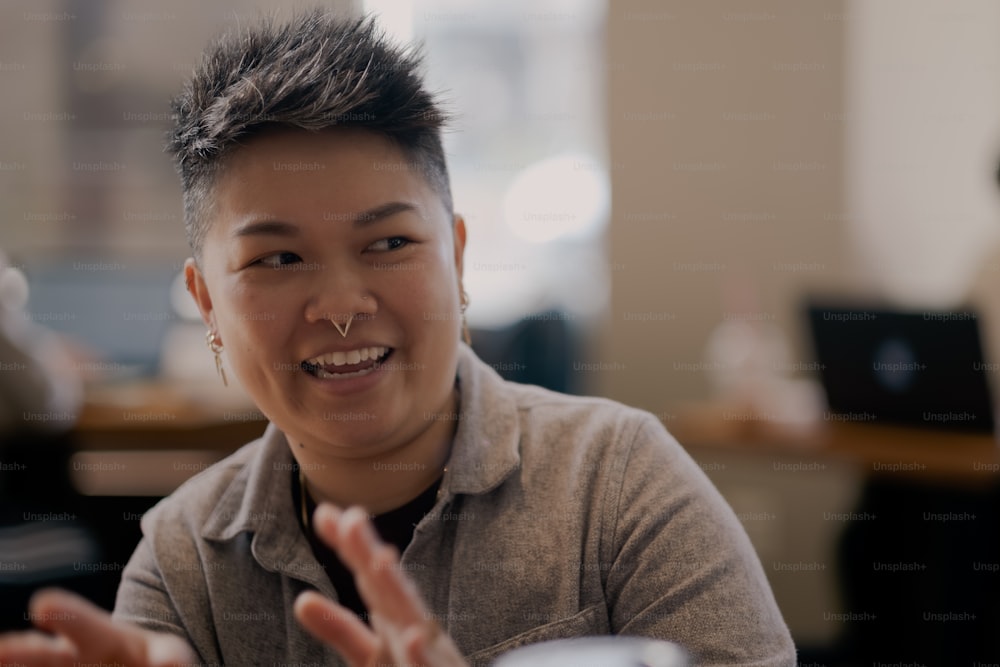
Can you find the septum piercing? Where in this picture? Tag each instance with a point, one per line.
(347, 327)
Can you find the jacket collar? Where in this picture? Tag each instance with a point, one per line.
(485, 452)
(486, 449)
(260, 494)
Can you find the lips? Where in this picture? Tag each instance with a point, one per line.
(344, 364)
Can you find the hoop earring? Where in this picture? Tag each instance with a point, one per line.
(215, 346)
(465, 323)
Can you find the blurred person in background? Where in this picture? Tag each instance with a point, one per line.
(484, 515)
(41, 392)
(40, 397)
(40, 389)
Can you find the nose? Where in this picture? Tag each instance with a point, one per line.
(339, 295)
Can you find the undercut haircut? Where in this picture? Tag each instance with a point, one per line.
(314, 72)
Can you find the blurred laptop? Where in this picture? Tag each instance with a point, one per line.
(121, 312)
(915, 368)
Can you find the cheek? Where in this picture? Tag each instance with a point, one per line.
(442, 276)
(256, 316)
(429, 298)
(429, 288)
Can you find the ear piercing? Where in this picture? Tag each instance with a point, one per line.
(215, 345)
(464, 300)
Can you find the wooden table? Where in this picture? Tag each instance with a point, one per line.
(148, 437)
(928, 455)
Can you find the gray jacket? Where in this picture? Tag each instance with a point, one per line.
(559, 517)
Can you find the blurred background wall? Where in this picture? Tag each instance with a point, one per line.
(766, 151)
(716, 161)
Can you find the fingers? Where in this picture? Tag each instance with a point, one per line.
(93, 637)
(427, 644)
(326, 520)
(36, 649)
(86, 626)
(375, 565)
(383, 586)
(166, 650)
(403, 631)
(82, 631)
(336, 626)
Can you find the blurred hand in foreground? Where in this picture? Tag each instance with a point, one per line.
(403, 631)
(80, 632)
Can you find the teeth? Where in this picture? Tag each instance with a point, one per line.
(349, 357)
(323, 375)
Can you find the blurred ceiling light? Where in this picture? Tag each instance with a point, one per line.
(565, 196)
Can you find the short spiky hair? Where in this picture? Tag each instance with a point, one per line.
(317, 71)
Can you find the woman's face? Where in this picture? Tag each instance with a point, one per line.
(307, 230)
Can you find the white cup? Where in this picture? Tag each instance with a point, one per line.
(597, 652)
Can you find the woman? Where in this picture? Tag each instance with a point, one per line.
(327, 263)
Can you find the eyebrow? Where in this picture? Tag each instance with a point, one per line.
(287, 229)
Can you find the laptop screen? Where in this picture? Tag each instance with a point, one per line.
(916, 368)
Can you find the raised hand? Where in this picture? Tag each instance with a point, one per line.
(403, 631)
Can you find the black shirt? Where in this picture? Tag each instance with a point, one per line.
(394, 527)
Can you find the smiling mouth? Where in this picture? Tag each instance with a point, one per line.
(345, 365)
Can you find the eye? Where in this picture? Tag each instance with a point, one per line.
(278, 260)
(391, 243)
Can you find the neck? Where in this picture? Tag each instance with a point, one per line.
(385, 482)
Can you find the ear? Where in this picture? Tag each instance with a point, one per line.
(458, 234)
(199, 291)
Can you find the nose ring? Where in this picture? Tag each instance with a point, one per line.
(347, 326)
